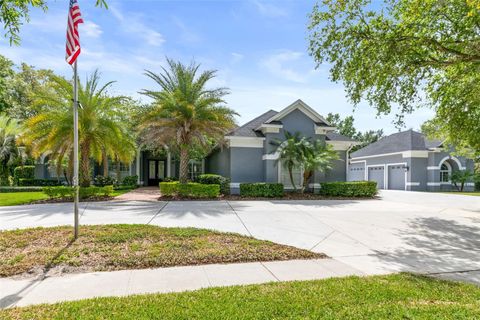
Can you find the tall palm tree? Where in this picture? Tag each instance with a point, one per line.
(9, 130)
(292, 152)
(102, 126)
(318, 157)
(185, 112)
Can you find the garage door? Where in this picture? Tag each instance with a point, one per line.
(377, 174)
(396, 177)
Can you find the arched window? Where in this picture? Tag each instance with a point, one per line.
(445, 172)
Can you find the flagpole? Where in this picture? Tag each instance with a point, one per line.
(75, 149)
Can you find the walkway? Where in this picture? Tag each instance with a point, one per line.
(141, 194)
(162, 280)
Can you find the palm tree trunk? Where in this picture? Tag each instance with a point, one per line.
(85, 165)
(105, 163)
(183, 164)
(290, 173)
(118, 174)
(306, 177)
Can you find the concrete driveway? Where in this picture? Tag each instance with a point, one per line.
(402, 231)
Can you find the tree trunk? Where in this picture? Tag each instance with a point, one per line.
(85, 165)
(184, 164)
(105, 163)
(306, 177)
(290, 173)
(118, 174)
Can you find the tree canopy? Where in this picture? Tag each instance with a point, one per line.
(405, 54)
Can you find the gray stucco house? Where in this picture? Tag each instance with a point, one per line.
(407, 161)
(249, 155)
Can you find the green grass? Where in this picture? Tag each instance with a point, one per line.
(17, 198)
(400, 296)
(119, 247)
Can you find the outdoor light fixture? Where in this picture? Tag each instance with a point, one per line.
(406, 168)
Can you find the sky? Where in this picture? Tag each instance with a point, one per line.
(260, 49)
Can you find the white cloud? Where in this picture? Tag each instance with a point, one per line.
(267, 8)
(187, 35)
(133, 24)
(237, 57)
(281, 65)
(91, 29)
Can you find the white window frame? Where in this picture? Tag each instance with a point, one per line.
(448, 171)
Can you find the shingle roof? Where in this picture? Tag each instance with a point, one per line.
(333, 136)
(397, 142)
(248, 129)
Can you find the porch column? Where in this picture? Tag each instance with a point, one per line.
(169, 164)
(137, 166)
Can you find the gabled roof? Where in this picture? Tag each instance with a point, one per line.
(397, 142)
(333, 136)
(248, 129)
(302, 106)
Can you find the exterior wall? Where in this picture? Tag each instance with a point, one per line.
(434, 161)
(218, 162)
(338, 171)
(246, 165)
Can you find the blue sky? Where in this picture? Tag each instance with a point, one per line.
(258, 47)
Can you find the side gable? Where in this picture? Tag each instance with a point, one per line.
(303, 107)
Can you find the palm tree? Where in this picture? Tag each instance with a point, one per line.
(318, 157)
(103, 130)
(292, 152)
(185, 112)
(9, 130)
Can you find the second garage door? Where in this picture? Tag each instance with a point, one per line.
(396, 177)
(377, 174)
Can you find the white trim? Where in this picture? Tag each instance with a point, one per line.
(437, 184)
(405, 154)
(323, 129)
(137, 167)
(433, 168)
(314, 185)
(341, 145)
(234, 184)
(245, 142)
(272, 156)
(269, 128)
(469, 184)
(459, 164)
(412, 184)
(302, 106)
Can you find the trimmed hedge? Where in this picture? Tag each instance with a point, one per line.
(191, 189)
(215, 179)
(102, 181)
(349, 189)
(38, 183)
(20, 189)
(85, 192)
(23, 172)
(267, 190)
(130, 181)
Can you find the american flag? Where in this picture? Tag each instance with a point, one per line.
(73, 39)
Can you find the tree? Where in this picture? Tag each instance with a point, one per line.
(292, 152)
(406, 54)
(9, 130)
(318, 157)
(13, 13)
(102, 128)
(185, 112)
(461, 177)
(344, 126)
(6, 75)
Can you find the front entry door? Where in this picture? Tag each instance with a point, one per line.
(156, 172)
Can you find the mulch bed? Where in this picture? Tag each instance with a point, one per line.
(62, 200)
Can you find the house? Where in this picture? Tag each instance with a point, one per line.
(249, 155)
(407, 161)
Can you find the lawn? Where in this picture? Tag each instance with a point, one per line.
(118, 247)
(399, 296)
(16, 198)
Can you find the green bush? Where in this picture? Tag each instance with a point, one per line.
(215, 179)
(130, 181)
(170, 179)
(349, 189)
(169, 189)
(23, 172)
(22, 182)
(476, 180)
(84, 192)
(260, 189)
(102, 181)
(191, 189)
(20, 189)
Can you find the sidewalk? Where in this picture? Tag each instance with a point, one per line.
(141, 194)
(162, 280)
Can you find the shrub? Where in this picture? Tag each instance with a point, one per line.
(170, 179)
(20, 189)
(130, 181)
(267, 190)
(85, 192)
(169, 189)
(349, 189)
(38, 182)
(476, 180)
(215, 179)
(101, 181)
(23, 172)
(191, 189)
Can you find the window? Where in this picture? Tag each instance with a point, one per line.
(445, 172)
(297, 174)
(112, 169)
(195, 168)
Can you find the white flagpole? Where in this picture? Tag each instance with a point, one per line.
(75, 149)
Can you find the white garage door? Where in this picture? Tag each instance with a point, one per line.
(377, 174)
(396, 177)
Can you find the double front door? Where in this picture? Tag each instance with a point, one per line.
(156, 172)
